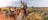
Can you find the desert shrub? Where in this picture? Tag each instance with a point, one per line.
(0, 9)
(45, 18)
(36, 19)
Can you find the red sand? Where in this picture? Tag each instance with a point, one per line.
(2, 16)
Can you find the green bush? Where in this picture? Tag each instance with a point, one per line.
(45, 18)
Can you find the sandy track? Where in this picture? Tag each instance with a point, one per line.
(2, 16)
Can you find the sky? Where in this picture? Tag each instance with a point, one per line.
(30, 3)
(40, 3)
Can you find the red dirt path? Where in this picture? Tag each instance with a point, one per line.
(2, 16)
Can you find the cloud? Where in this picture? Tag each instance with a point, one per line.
(4, 3)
